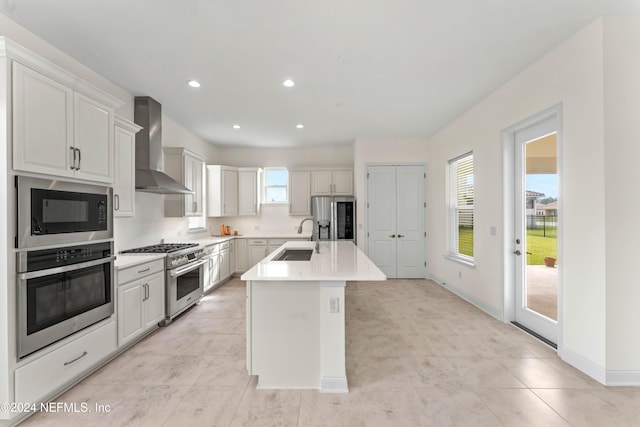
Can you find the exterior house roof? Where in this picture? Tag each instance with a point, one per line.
(533, 194)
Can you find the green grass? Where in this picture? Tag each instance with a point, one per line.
(537, 244)
(465, 240)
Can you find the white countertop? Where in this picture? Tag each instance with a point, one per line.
(337, 261)
(129, 260)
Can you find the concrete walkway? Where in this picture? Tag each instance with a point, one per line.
(542, 290)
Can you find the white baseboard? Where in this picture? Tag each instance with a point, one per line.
(334, 385)
(594, 370)
(492, 311)
(623, 378)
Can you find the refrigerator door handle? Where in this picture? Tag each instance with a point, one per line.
(333, 226)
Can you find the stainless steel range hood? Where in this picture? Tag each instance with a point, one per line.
(149, 176)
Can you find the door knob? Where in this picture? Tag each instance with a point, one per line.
(393, 236)
(517, 252)
(400, 235)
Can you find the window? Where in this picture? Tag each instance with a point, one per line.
(276, 185)
(461, 208)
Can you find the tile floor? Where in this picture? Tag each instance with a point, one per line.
(417, 355)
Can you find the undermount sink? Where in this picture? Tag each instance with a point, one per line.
(294, 255)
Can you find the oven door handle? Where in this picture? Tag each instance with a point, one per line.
(187, 268)
(64, 269)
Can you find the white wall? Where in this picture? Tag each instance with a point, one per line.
(381, 151)
(622, 151)
(571, 74)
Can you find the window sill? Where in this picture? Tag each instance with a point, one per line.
(460, 260)
(275, 204)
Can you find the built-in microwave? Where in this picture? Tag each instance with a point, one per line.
(55, 212)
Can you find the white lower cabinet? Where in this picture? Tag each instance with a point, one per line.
(275, 244)
(49, 373)
(242, 261)
(141, 301)
(256, 251)
(212, 269)
(225, 261)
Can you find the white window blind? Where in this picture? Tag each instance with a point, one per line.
(461, 207)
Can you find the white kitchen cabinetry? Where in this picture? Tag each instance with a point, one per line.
(124, 182)
(248, 191)
(242, 259)
(187, 168)
(212, 269)
(274, 244)
(256, 251)
(141, 293)
(232, 255)
(59, 131)
(222, 191)
(225, 261)
(299, 193)
(332, 183)
(37, 379)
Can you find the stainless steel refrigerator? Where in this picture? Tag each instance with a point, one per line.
(334, 218)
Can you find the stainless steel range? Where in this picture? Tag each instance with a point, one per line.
(184, 277)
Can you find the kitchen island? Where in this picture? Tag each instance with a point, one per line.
(296, 319)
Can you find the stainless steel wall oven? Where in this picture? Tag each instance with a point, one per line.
(54, 212)
(61, 291)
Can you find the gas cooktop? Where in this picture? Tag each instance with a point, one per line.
(161, 248)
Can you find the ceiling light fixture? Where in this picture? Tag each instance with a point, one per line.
(193, 83)
(288, 83)
(236, 126)
(300, 126)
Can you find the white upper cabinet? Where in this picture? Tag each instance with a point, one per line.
(93, 139)
(188, 169)
(248, 191)
(124, 180)
(60, 131)
(299, 197)
(222, 191)
(332, 183)
(42, 123)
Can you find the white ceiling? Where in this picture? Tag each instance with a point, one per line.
(363, 68)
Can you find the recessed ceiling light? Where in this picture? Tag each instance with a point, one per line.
(288, 83)
(193, 83)
(236, 126)
(299, 125)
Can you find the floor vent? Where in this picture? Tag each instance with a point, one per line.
(540, 337)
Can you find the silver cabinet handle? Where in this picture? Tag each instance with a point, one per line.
(116, 198)
(73, 164)
(393, 236)
(400, 235)
(84, 353)
(79, 158)
(146, 290)
(144, 271)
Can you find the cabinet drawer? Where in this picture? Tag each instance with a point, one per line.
(42, 376)
(129, 274)
(257, 242)
(277, 242)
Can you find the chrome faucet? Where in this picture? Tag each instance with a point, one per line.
(302, 222)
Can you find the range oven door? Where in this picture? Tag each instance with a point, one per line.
(55, 303)
(185, 286)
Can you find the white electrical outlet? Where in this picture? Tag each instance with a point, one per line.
(334, 305)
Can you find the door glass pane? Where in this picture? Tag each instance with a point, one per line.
(541, 207)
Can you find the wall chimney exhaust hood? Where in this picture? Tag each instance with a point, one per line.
(149, 176)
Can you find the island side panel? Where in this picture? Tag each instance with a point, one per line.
(332, 329)
(285, 334)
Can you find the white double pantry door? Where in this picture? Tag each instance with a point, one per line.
(396, 237)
